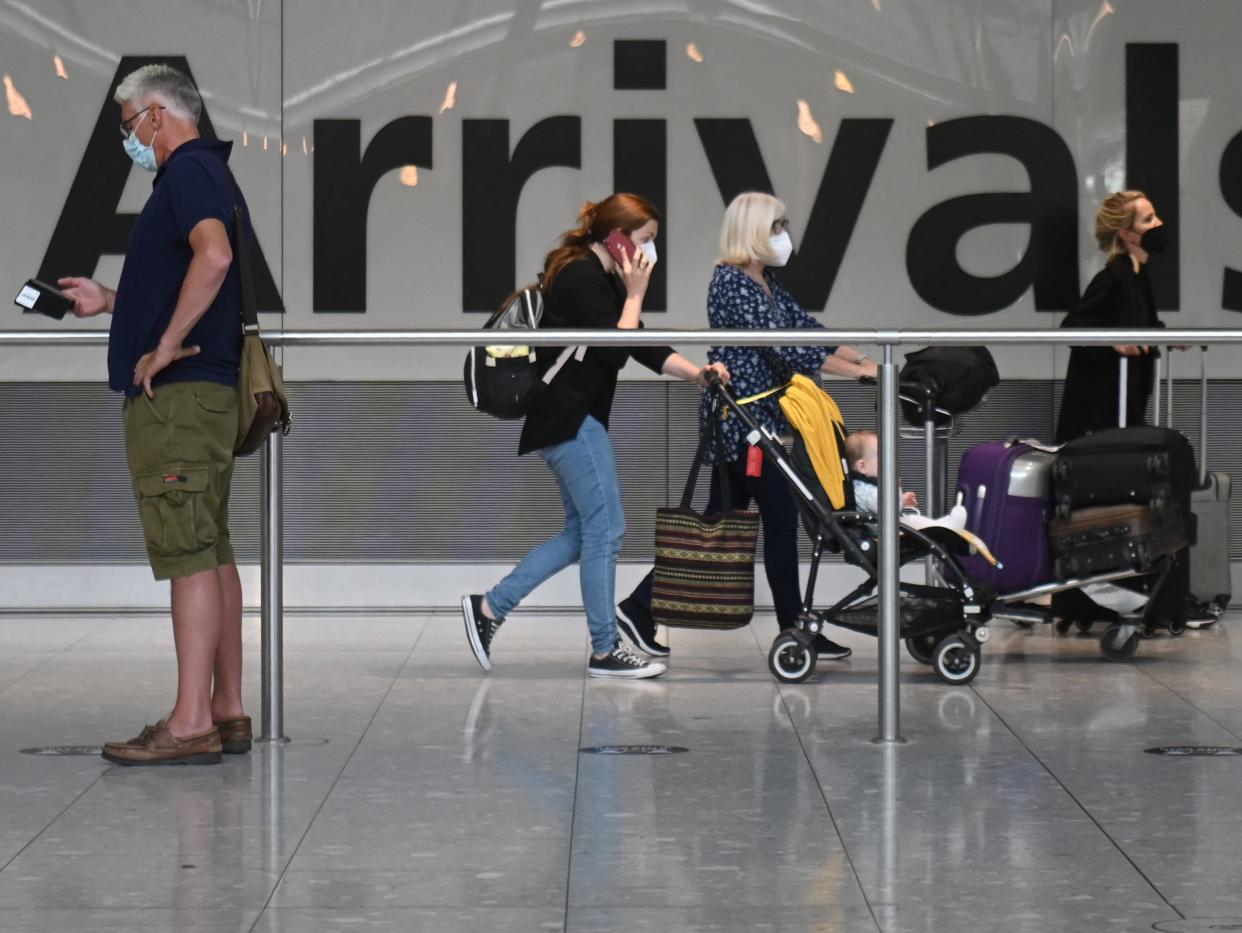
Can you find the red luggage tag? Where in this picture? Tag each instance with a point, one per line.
(754, 461)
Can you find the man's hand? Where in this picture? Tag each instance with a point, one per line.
(89, 297)
(909, 500)
(158, 359)
(1130, 349)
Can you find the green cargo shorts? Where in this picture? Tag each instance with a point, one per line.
(180, 451)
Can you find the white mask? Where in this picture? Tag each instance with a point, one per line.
(782, 248)
(650, 250)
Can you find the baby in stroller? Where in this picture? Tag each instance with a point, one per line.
(943, 625)
(862, 451)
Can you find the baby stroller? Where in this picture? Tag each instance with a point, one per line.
(942, 625)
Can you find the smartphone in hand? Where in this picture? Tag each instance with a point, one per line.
(618, 245)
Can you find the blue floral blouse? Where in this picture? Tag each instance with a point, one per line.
(736, 301)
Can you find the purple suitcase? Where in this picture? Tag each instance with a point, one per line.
(1007, 491)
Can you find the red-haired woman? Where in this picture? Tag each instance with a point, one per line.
(584, 286)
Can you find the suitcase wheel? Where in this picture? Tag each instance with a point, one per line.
(1120, 642)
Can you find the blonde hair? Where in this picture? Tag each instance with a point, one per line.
(1116, 214)
(747, 228)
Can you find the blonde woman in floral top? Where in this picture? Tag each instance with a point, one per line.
(745, 293)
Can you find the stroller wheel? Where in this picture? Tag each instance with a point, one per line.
(957, 660)
(1117, 645)
(790, 661)
(922, 648)
(1084, 626)
(1062, 626)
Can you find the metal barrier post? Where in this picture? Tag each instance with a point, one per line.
(1123, 373)
(272, 724)
(1160, 362)
(889, 579)
(930, 505)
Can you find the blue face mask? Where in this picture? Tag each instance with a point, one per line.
(143, 155)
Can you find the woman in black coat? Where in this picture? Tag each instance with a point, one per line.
(1128, 228)
(1120, 295)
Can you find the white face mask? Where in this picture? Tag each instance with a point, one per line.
(782, 248)
(650, 250)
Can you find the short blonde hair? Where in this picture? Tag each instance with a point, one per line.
(1116, 214)
(747, 228)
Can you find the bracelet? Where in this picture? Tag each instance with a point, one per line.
(861, 359)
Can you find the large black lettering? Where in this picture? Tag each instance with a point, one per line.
(491, 184)
(344, 179)
(737, 165)
(1231, 190)
(1151, 151)
(1050, 207)
(640, 165)
(89, 226)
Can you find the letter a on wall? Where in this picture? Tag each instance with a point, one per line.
(90, 226)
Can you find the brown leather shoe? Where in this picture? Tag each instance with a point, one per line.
(235, 735)
(157, 746)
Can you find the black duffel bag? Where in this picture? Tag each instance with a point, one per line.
(949, 380)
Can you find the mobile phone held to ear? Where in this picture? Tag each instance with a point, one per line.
(618, 244)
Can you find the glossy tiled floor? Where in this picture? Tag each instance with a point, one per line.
(445, 800)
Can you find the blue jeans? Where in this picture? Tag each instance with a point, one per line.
(586, 474)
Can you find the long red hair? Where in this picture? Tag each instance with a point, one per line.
(624, 212)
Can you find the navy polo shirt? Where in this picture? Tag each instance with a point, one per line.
(193, 184)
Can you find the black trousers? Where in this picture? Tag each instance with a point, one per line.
(778, 514)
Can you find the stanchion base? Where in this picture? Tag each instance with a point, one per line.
(279, 740)
(889, 742)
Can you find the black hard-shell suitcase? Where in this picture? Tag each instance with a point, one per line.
(1144, 464)
(1115, 537)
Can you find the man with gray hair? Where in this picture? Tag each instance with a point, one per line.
(174, 348)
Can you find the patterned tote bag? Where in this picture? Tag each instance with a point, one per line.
(705, 564)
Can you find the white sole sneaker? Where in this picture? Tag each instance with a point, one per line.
(650, 669)
(472, 634)
(630, 631)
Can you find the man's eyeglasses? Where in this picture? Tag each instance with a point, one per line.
(781, 223)
(127, 126)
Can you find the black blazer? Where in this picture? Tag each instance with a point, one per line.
(582, 295)
(1116, 297)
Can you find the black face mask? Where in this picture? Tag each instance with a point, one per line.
(1155, 240)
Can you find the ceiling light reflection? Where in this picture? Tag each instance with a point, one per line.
(60, 67)
(1105, 9)
(692, 51)
(17, 104)
(806, 122)
(450, 98)
(578, 40)
(842, 82)
(409, 175)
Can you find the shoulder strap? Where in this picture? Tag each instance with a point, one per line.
(249, 305)
(712, 434)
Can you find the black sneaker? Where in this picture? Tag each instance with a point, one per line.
(479, 629)
(621, 662)
(637, 625)
(827, 650)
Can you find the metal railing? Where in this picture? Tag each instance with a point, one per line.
(272, 570)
